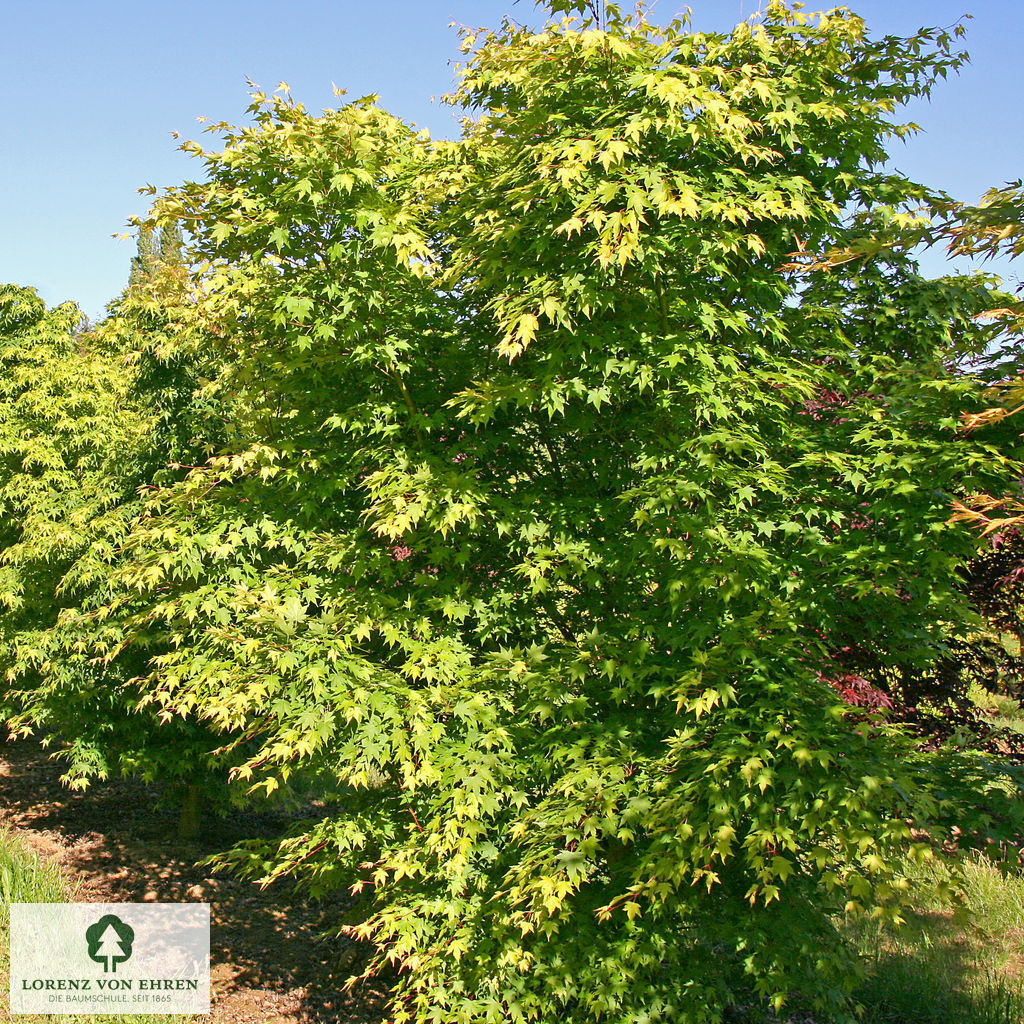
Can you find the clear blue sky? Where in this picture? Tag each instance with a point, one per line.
(92, 90)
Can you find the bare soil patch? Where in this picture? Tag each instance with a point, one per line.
(269, 960)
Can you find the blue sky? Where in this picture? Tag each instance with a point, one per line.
(92, 91)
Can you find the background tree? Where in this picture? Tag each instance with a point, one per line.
(158, 249)
(171, 245)
(992, 228)
(88, 420)
(994, 657)
(144, 263)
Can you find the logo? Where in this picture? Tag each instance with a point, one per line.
(83, 958)
(110, 942)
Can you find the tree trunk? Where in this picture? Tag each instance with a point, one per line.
(191, 812)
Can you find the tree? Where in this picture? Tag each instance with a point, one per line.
(144, 264)
(60, 420)
(80, 434)
(159, 249)
(992, 228)
(542, 502)
(171, 245)
(110, 949)
(995, 227)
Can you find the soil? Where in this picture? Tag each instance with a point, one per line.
(271, 962)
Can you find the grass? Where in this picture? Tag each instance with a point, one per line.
(24, 878)
(957, 961)
(1002, 712)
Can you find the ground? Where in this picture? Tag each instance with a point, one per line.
(271, 963)
(269, 960)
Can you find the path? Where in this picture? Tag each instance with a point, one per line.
(269, 963)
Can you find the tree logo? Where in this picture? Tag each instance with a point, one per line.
(110, 942)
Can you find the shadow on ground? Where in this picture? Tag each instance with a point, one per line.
(270, 963)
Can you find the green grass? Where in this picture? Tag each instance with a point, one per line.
(24, 878)
(1001, 712)
(956, 961)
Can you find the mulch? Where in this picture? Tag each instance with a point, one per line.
(272, 959)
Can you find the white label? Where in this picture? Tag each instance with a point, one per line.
(126, 958)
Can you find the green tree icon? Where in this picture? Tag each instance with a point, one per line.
(110, 942)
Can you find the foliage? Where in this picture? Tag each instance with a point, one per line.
(993, 580)
(992, 228)
(159, 250)
(145, 263)
(79, 434)
(60, 421)
(544, 499)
